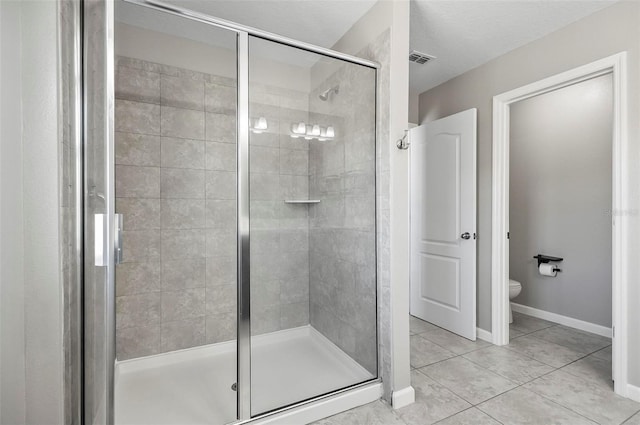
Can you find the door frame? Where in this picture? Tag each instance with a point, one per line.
(617, 66)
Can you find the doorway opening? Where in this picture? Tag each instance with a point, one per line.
(615, 67)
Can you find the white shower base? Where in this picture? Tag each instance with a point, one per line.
(193, 386)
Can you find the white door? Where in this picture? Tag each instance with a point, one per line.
(443, 222)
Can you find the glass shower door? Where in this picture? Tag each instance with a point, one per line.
(312, 224)
(175, 186)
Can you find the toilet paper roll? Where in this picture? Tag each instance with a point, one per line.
(547, 269)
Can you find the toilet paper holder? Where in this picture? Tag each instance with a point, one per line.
(546, 259)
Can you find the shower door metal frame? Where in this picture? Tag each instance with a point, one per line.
(243, 229)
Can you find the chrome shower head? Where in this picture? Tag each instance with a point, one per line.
(324, 96)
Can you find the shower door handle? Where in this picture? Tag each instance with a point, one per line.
(466, 235)
(117, 240)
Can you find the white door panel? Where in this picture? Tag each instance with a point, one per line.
(443, 208)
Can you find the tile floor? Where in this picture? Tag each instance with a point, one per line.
(548, 374)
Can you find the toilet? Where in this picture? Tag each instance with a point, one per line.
(514, 290)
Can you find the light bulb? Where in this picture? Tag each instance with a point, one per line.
(330, 132)
(302, 127)
(261, 123)
(315, 130)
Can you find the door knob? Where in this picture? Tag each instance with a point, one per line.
(465, 235)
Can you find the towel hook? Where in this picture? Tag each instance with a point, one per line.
(403, 143)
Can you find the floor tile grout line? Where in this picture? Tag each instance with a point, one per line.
(470, 402)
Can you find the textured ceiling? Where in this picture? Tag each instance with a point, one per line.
(465, 34)
(462, 34)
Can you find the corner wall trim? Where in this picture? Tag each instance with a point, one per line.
(562, 320)
(403, 397)
(484, 335)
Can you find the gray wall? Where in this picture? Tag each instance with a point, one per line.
(612, 30)
(560, 199)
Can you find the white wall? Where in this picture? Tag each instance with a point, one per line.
(609, 31)
(12, 364)
(32, 361)
(560, 149)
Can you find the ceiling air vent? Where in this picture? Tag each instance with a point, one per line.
(419, 57)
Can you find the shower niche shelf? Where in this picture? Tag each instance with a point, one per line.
(302, 201)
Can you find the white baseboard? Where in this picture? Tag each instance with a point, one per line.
(484, 335)
(403, 397)
(562, 320)
(633, 392)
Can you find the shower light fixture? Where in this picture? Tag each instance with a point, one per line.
(259, 125)
(311, 131)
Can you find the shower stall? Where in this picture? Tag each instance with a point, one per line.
(230, 219)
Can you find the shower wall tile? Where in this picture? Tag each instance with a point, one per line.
(138, 310)
(183, 213)
(137, 182)
(294, 162)
(294, 315)
(220, 99)
(138, 278)
(264, 187)
(294, 289)
(221, 270)
(264, 160)
(220, 213)
(180, 334)
(220, 128)
(137, 117)
(265, 320)
(221, 185)
(221, 299)
(139, 213)
(220, 327)
(138, 85)
(176, 187)
(137, 149)
(185, 304)
(221, 241)
(182, 123)
(294, 187)
(182, 183)
(181, 92)
(269, 139)
(220, 156)
(183, 274)
(137, 342)
(140, 245)
(184, 243)
(182, 153)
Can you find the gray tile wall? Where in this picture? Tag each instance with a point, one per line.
(342, 226)
(176, 186)
(279, 231)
